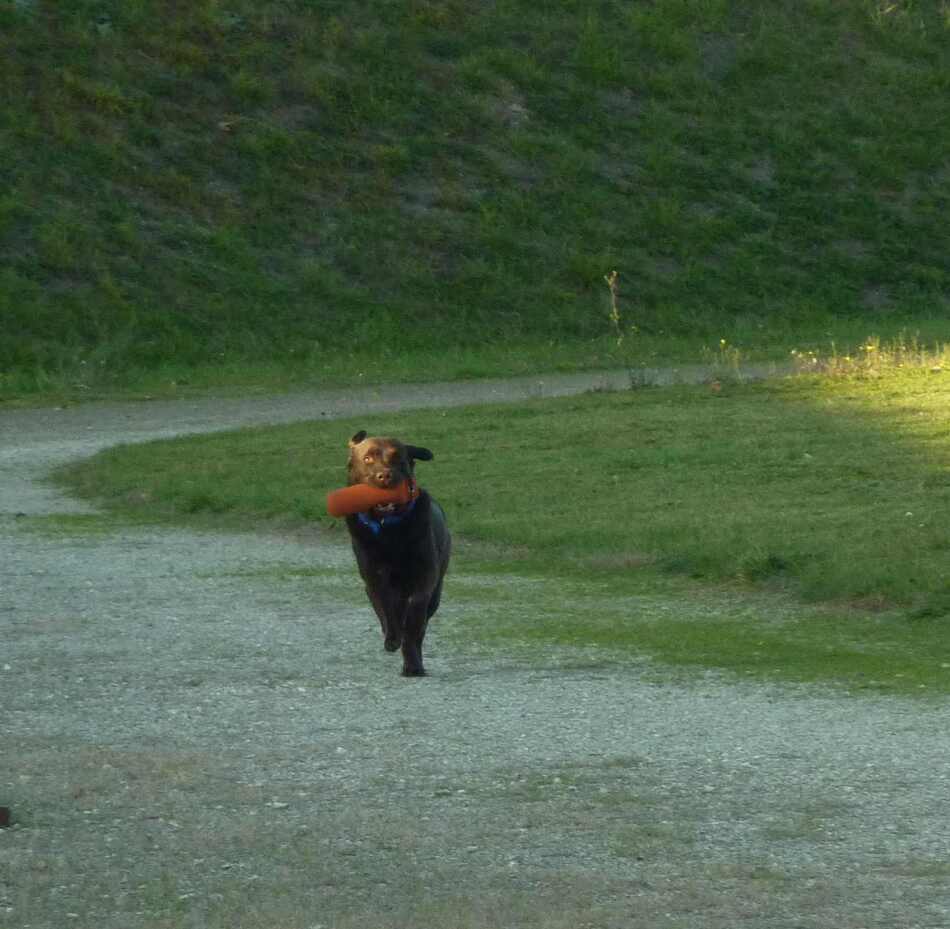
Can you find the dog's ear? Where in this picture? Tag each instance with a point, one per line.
(358, 438)
(416, 452)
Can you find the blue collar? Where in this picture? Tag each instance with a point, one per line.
(376, 526)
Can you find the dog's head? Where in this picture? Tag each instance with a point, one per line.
(382, 462)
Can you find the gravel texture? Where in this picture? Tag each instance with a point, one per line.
(202, 729)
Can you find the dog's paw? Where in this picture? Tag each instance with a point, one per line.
(414, 672)
(392, 643)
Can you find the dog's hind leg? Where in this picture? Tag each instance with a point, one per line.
(434, 600)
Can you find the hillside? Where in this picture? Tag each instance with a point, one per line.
(233, 184)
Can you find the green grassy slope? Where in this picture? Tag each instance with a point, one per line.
(228, 183)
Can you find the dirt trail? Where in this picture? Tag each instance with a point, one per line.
(202, 729)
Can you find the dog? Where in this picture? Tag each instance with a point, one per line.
(402, 551)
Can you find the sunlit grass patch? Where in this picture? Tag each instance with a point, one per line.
(831, 488)
(875, 358)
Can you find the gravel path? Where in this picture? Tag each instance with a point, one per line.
(202, 729)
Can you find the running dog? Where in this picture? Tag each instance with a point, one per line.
(402, 550)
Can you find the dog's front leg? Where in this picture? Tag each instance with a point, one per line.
(413, 634)
(389, 611)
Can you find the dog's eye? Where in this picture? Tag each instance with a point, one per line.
(367, 459)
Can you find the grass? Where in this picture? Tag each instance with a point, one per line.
(793, 529)
(694, 629)
(285, 192)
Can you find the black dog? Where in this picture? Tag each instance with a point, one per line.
(402, 551)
